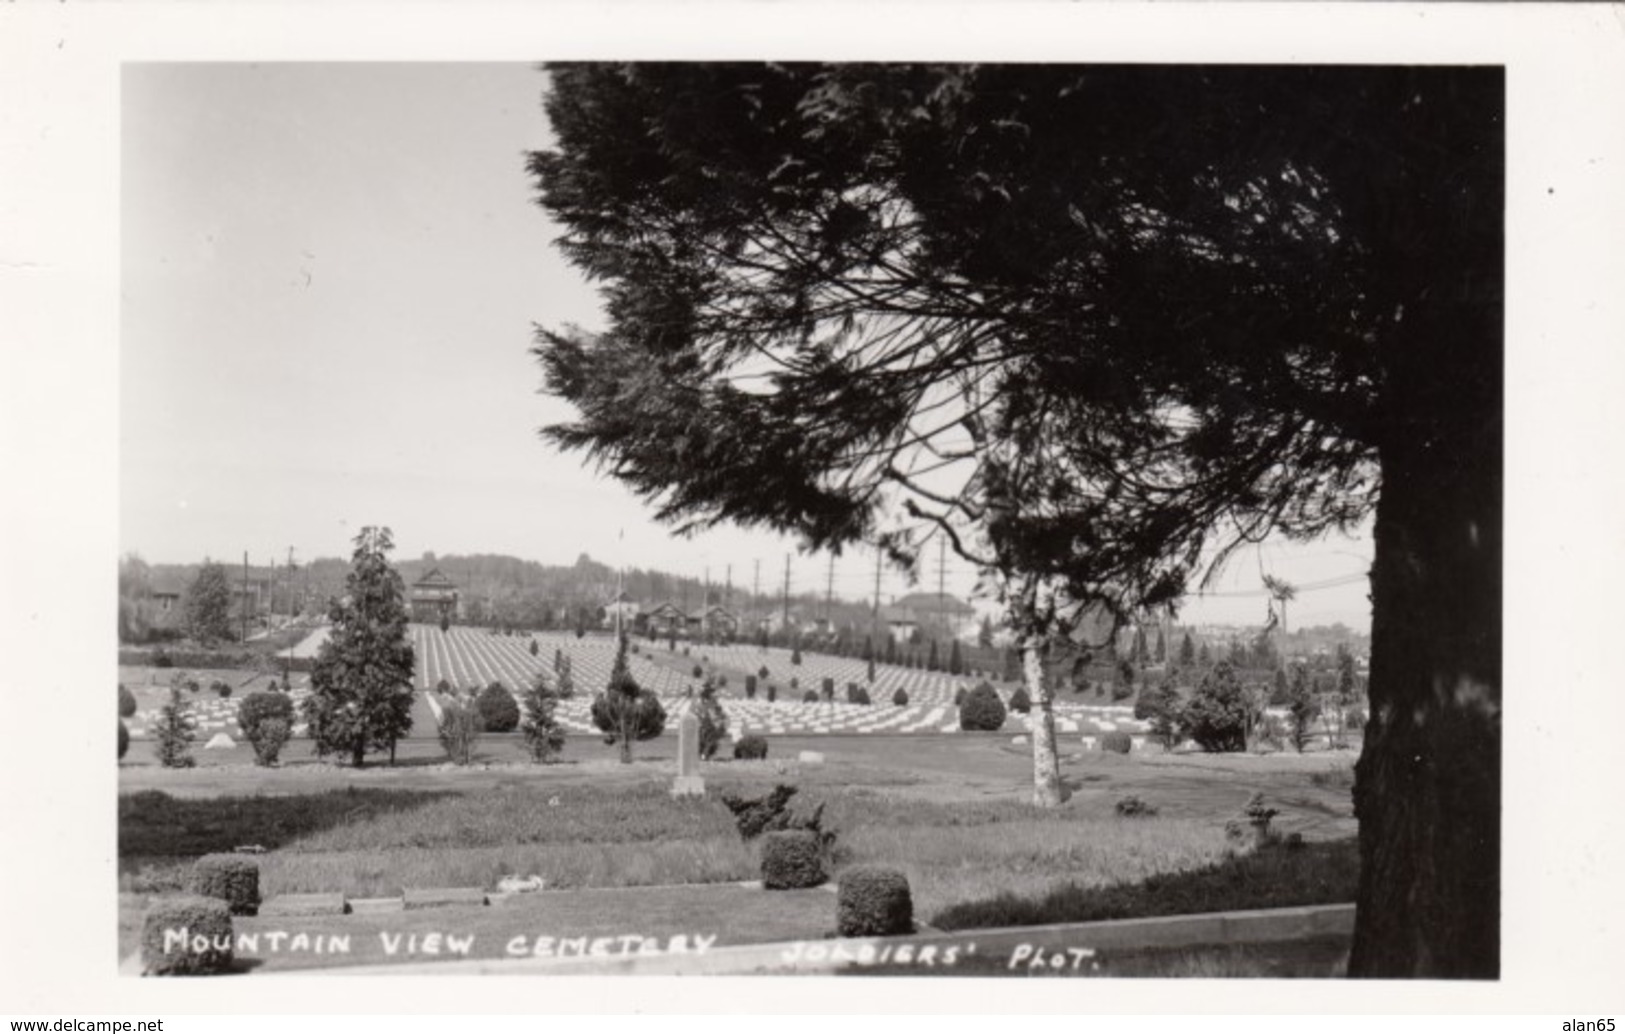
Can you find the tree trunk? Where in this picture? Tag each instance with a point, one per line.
(626, 748)
(358, 753)
(1047, 789)
(1428, 782)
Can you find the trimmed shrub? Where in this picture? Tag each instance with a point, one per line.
(498, 709)
(442, 686)
(699, 672)
(272, 687)
(900, 698)
(761, 673)
(126, 702)
(772, 692)
(959, 697)
(873, 901)
(186, 936)
(750, 748)
(828, 686)
(809, 697)
(460, 726)
(270, 736)
(1132, 807)
(856, 694)
(123, 739)
(1216, 715)
(1020, 702)
(750, 687)
(221, 687)
(232, 878)
(792, 859)
(261, 707)
(1117, 741)
(982, 710)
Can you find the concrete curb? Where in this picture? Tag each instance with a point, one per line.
(827, 956)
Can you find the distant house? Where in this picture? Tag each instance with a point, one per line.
(432, 597)
(929, 609)
(621, 607)
(667, 619)
(718, 620)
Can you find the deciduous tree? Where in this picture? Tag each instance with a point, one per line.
(208, 605)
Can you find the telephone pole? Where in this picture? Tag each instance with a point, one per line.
(787, 593)
(942, 578)
(829, 592)
(245, 596)
(756, 590)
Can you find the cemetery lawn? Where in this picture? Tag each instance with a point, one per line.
(950, 811)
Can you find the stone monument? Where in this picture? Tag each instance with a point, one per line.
(689, 782)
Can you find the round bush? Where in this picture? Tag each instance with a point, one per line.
(186, 936)
(498, 709)
(442, 686)
(261, 707)
(792, 859)
(772, 692)
(959, 697)
(750, 687)
(873, 902)
(126, 702)
(856, 694)
(1020, 702)
(268, 740)
(900, 698)
(232, 878)
(699, 672)
(123, 739)
(809, 697)
(750, 748)
(1117, 741)
(221, 687)
(982, 710)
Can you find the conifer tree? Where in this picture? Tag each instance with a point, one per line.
(625, 711)
(361, 682)
(174, 730)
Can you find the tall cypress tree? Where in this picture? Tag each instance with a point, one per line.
(361, 682)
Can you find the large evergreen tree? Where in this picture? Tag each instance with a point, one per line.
(208, 605)
(1138, 312)
(361, 681)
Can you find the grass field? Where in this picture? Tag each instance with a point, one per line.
(951, 812)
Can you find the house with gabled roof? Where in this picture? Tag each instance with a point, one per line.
(434, 596)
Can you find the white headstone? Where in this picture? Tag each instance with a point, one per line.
(689, 782)
(811, 757)
(219, 741)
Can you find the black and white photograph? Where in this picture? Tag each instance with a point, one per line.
(781, 514)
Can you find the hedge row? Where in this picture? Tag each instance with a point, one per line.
(210, 659)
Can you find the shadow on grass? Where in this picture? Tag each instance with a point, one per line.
(1275, 876)
(151, 823)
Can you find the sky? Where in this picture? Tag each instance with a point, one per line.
(329, 278)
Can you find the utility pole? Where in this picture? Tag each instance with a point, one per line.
(245, 596)
(942, 580)
(289, 579)
(787, 593)
(728, 590)
(829, 593)
(756, 590)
